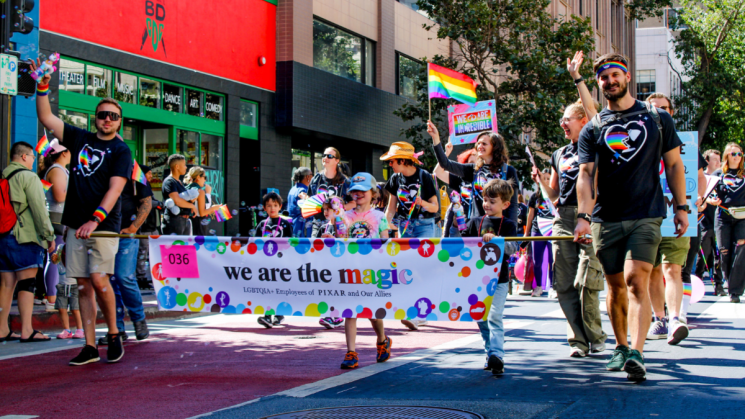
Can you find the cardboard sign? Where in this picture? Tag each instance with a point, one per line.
(467, 122)
(179, 261)
(689, 155)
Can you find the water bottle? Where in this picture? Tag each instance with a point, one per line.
(460, 216)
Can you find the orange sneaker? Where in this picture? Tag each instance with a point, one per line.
(350, 361)
(384, 350)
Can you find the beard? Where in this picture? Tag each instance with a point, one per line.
(622, 90)
(106, 131)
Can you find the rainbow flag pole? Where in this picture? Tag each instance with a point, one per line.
(411, 211)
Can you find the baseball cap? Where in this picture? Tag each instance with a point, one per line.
(362, 182)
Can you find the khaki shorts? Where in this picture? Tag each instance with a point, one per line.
(96, 255)
(673, 250)
(617, 242)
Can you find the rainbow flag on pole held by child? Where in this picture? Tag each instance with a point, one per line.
(448, 84)
(222, 214)
(137, 174)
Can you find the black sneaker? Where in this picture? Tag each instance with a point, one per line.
(115, 352)
(86, 356)
(266, 321)
(103, 342)
(496, 365)
(734, 298)
(141, 331)
(719, 291)
(278, 320)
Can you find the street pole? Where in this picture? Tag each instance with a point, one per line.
(5, 107)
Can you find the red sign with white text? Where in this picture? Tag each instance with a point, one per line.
(226, 38)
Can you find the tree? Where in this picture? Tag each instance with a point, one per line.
(709, 46)
(516, 51)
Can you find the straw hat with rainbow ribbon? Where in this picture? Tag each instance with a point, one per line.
(402, 150)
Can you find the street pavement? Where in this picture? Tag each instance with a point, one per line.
(225, 366)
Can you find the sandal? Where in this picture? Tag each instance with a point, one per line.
(10, 337)
(31, 338)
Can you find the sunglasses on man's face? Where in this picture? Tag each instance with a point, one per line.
(329, 156)
(736, 154)
(112, 115)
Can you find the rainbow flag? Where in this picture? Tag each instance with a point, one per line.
(46, 185)
(137, 174)
(43, 146)
(222, 214)
(448, 84)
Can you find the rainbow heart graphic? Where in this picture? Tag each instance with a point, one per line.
(626, 140)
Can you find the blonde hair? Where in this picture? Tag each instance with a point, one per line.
(725, 163)
(578, 109)
(194, 173)
(658, 95)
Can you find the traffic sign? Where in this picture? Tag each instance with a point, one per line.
(8, 74)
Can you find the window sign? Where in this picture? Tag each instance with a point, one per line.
(125, 88)
(213, 106)
(99, 82)
(194, 102)
(149, 93)
(71, 76)
(171, 98)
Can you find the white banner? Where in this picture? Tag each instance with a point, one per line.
(434, 279)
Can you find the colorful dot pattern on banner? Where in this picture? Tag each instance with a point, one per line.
(219, 301)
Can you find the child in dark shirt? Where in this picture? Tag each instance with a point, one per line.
(497, 194)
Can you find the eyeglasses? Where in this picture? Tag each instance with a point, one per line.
(736, 153)
(329, 156)
(566, 120)
(112, 115)
(665, 108)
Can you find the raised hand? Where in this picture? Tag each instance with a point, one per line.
(575, 64)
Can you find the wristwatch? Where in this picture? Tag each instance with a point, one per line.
(685, 208)
(585, 216)
(579, 80)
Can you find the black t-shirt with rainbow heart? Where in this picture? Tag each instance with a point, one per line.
(565, 162)
(731, 190)
(628, 152)
(406, 188)
(274, 227)
(93, 163)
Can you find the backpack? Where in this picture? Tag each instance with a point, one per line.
(8, 216)
(598, 125)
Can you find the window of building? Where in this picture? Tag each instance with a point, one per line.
(645, 83)
(249, 118)
(613, 23)
(149, 93)
(300, 158)
(343, 53)
(194, 102)
(210, 151)
(597, 14)
(213, 106)
(412, 4)
(408, 70)
(171, 98)
(125, 87)
(99, 81)
(71, 76)
(187, 145)
(76, 119)
(581, 11)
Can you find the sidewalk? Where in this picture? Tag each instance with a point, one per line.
(48, 321)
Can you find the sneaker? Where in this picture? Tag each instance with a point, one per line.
(331, 322)
(486, 365)
(266, 321)
(38, 301)
(351, 361)
(577, 353)
(66, 334)
(115, 351)
(537, 292)
(634, 366)
(86, 356)
(277, 320)
(80, 334)
(338, 321)
(658, 330)
(384, 350)
(141, 330)
(598, 348)
(50, 308)
(678, 332)
(719, 291)
(552, 293)
(104, 342)
(734, 298)
(496, 365)
(618, 360)
(413, 324)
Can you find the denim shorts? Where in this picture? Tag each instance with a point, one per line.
(17, 257)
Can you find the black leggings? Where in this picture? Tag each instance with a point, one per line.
(729, 231)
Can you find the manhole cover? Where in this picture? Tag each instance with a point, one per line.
(379, 412)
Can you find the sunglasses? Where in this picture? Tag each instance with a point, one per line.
(329, 156)
(736, 153)
(112, 115)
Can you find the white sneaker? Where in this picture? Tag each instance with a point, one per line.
(50, 307)
(600, 347)
(577, 353)
(552, 293)
(413, 324)
(678, 332)
(537, 292)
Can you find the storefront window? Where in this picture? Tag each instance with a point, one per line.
(213, 106)
(71, 76)
(125, 88)
(211, 151)
(99, 82)
(187, 145)
(149, 93)
(300, 158)
(248, 114)
(194, 102)
(337, 51)
(76, 119)
(408, 73)
(156, 154)
(171, 98)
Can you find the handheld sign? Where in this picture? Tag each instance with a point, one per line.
(467, 122)
(178, 261)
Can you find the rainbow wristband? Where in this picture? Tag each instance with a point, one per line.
(42, 90)
(100, 214)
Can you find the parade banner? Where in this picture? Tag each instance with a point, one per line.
(689, 154)
(467, 122)
(450, 279)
